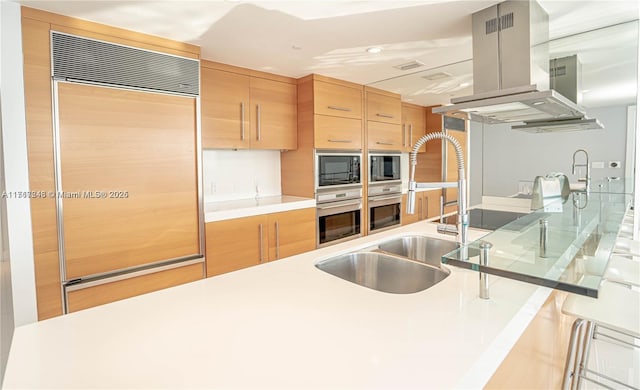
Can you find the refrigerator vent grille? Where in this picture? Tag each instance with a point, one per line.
(90, 60)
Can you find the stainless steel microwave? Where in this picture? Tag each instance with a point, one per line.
(384, 167)
(338, 169)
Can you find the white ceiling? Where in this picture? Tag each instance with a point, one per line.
(295, 38)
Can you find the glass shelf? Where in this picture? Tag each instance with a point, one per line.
(580, 239)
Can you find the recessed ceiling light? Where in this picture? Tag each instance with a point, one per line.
(464, 85)
(374, 50)
(538, 103)
(296, 47)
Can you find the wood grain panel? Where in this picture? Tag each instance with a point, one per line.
(235, 244)
(537, 360)
(414, 124)
(122, 289)
(429, 166)
(37, 85)
(246, 71)
(337, 133)
(416, 216)
(296, 231)
(118, 35)
(223, 97)
(384, 136)
(383, 107)
(337, 100)
(277, 125)
(137, 142)
(297, 167)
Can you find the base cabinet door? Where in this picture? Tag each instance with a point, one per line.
(100, 294)
(235, 244)
(291, 233)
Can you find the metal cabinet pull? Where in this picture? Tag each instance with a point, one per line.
(261, 243)
(258, 135)
(384, 143)
(384, 115)
(410, 134)
(277, 240)
(347, 109)
(404, 135)
(242, 121)
(340, 140)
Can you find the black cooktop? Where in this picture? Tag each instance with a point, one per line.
(494, 219)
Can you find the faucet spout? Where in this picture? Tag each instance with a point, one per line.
(463, 216)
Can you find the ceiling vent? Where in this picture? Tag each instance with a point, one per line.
(437, 76)
(409, 65)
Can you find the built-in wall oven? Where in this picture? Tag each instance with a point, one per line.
(385, 191)
(338, 196)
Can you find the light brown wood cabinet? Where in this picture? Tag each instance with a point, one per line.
(414, 125)
(427, 206)
(244, 242)
(337, 113)
(330, 117)
(384, 111)
(337, 100)
(243, 109)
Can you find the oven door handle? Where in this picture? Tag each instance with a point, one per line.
(384, 201)
(336, 205)
(394, 197)
(338, 208)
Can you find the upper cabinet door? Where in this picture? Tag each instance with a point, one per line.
(225, 99)
(337, 100)
(274, 114)
(383, 108)
(414, 123)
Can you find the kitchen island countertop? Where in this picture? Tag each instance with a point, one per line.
(284, 324)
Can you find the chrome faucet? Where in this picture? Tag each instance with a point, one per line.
(463, 216)
(587, 178)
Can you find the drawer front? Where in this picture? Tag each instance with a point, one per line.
(337, 133)
(384, 136)
(114, 291)
(337, 100)
(382, 108)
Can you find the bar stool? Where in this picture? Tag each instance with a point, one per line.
(617, 311)
(626, 246)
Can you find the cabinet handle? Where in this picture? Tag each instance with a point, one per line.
(410, 133)
(277, 240)
(258, 120)
(404, 136)
(261, 243)
(384, 143)
(346, 141)
(242, 119)
(384, 115)
(347, 109)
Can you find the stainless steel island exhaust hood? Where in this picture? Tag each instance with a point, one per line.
(511, 73)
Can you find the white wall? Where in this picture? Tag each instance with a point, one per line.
(18, 212)
(240, 174)
(509, 156)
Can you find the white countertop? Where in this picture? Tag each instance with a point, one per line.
(284, 324)
(218, 211)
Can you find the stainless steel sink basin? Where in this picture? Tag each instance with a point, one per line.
(424, 249)
(383, 272)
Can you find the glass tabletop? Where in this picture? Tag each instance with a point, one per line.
(571, 255)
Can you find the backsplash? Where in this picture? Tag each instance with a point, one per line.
(240, 174)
